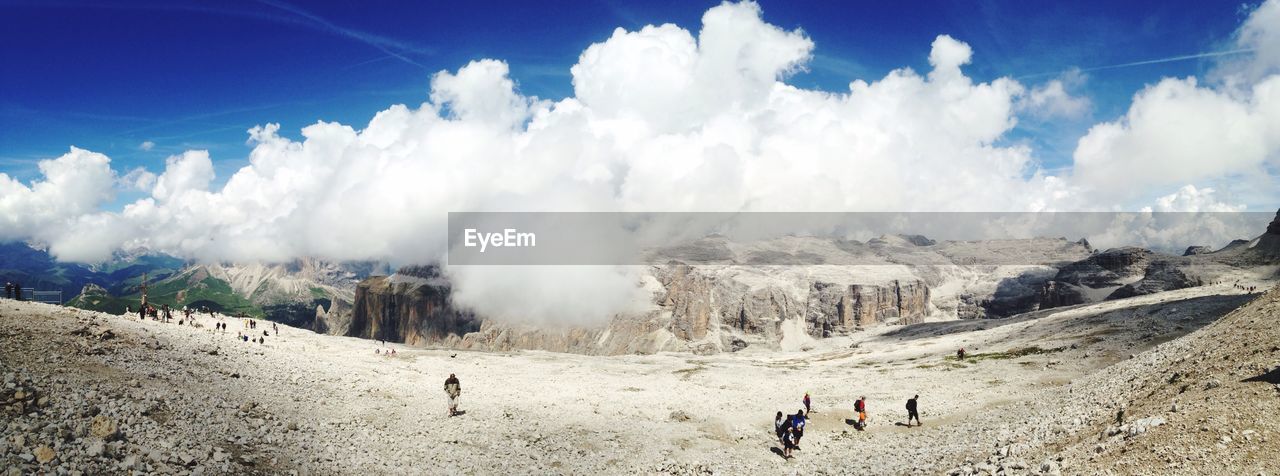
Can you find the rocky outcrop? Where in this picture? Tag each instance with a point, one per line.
(1160, 276)
(1099, 274)
(1267, 249)
(838, 309)
(1108, 268)
(1018, 294)
(411, 306)
(335, 320)
(688, 297)
(1197, 250)
(1059, 294)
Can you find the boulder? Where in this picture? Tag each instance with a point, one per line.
(103, 428)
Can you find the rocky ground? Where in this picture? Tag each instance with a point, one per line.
(90, 393)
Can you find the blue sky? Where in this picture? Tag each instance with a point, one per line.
(108, 76)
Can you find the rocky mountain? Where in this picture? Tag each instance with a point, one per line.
(1127, 272)
(715, 308)
(285, 292)
(746, 300)
(34, 267)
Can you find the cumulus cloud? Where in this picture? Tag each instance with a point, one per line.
(662, 119)
(1192, 199)
(137, 179)
(74, 184)
(1053, 100)
(1182, 131)
(1261, 34)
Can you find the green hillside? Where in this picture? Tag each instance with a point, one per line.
(193, 288)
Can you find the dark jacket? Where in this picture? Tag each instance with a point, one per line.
(911, 405)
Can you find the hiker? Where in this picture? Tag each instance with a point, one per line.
(860, 407)
(806, 403)
(780, 427)
(797, 426)
(275, 328)
(912, 413)
(789, 442)
(960, 354)
(8, 290)
(453, 389)
(17, 291)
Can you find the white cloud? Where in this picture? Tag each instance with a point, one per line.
(138, 179)
(661, 119)
(74, 184)
(1192, 199)
(147, 145)
(1052, 100)
(1260, 33)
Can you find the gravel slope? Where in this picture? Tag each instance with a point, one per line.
(91, 393)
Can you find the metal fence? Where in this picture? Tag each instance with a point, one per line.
(51, 297)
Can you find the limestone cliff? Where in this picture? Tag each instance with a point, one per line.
(411, 306)
(702, 310)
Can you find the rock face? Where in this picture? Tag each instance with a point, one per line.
(1108, 268)
(1019, 294)
(1059, 294)
(694, 309)
(688, 296)
(411, 306)
(837, 309)
(1159, 276)
(1098, 275)
(1268, 245)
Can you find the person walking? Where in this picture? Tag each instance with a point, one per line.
(8, 290)
(780, 424)
(797, 426)
(911, 411)
(806, 401)
(790, 442)
(860, 406)
(453, 389)
(17, 291)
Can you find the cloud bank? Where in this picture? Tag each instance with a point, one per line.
(662, 119)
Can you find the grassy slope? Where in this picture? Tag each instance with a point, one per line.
(176, 291)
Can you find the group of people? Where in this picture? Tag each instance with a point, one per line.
(790, 428)
(13, 291)
(1248, 289)
(252, 324)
